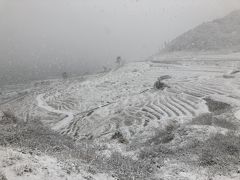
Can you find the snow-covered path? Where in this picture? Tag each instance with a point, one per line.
(61, 124)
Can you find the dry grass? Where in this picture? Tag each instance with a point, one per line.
(125, 168)
(163, 136)
(23, 169)
(225, 123)
(203, 119)
(221, 152)
(2, 176)
(34, 138)
(214, 120)
(119, 136)
(158, 147)
(9, 117)
(219, 116)
(12, 159)
(217, 107)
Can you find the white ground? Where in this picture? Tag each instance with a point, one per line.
(63, 123)
(123, 100)
(15, 165)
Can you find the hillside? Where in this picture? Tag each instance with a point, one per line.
(218, 35)
(118, 125)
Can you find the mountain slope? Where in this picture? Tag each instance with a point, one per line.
(220, 34)
(117, 126)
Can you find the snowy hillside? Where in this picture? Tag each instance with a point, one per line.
(218, 35)
(117, 123)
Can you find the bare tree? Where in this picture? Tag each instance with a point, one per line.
(64, 75)
(119, 60)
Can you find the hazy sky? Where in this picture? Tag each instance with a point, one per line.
(37, 35)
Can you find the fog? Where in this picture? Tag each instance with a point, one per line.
(42, 38)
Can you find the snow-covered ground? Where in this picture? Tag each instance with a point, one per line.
(16, 165)
(124, 101)
(64, 122)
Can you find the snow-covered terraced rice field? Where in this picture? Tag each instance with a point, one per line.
(121, 111)
(124, 99)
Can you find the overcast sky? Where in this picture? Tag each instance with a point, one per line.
(45, 35)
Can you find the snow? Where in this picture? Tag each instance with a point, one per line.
(15, 165)
(123, 100)
(62, 123)
(101, 103)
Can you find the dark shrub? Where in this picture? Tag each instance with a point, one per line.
(203, 119)
(207, 159)
(2, 176)
(220, 150)
(217, 106)
(9, 117)
(159, 84)
(118, 135)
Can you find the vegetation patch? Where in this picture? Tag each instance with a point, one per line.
(162, 137)
(217, 107)
(125, 168)
(2, 176)
(8, 117)
(214, 120)
(203, 119)
(224, 123)
(161, 85)
(119, 136)
(23, 169)
(221, 151)
(157, 148)
(33, 137)
(220, 115)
